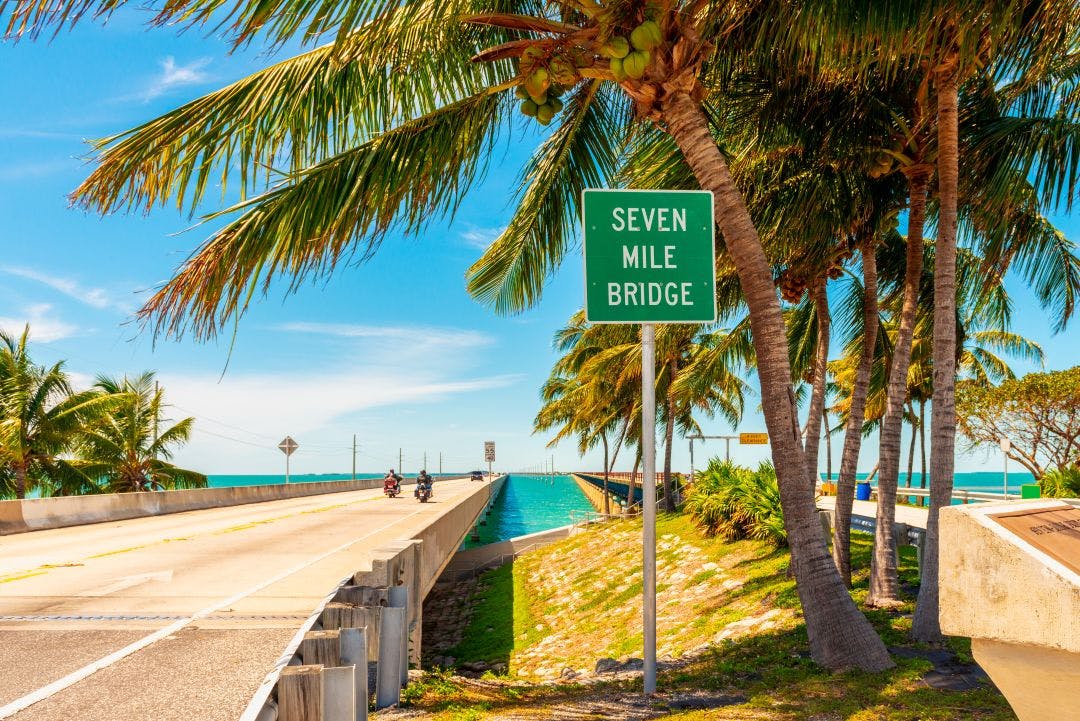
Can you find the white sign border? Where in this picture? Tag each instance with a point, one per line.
(584, 255)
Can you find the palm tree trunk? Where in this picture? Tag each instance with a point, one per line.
(20, 481)
(669, 438)
(849, 459)
(942, 408)
(820, 375)
(607, 503)
(884, 583)
(911, 446)
(840, 635)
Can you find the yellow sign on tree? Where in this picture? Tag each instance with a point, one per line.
(753, 439)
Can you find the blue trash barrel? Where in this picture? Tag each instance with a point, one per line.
(862, 491)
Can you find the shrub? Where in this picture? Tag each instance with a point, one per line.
(1061, 483)
(735, 502)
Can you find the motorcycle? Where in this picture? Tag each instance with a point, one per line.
(423, 493)
(391, 488)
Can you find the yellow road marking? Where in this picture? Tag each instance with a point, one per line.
(21, 576)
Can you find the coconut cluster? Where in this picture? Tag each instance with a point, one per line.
(546, 74)
(793, 282)
(631, 59)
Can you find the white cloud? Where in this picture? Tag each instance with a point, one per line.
(481, 238)
(414, 337)
(44, 327)
(241, 417)
(93, 297)
(176, 76)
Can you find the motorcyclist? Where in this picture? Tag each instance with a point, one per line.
(423, 481)
(392, 480)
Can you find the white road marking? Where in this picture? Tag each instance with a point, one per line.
(126, 582)
(74, 677)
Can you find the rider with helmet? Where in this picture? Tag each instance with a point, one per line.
(423, 481)
(392, 481)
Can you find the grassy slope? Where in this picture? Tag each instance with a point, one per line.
(578, 600)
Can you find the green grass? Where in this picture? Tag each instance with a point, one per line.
(770, 672)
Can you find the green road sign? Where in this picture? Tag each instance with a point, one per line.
(649, 256)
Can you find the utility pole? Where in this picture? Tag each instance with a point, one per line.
(440, 463)
(157, 407)
(424, 467)
(354, 456)
(400, 462)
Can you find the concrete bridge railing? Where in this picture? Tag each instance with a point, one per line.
(38, 514)
(368, 629)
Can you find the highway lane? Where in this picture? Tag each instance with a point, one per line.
(215, 595)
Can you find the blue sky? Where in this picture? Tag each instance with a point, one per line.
(394, 350)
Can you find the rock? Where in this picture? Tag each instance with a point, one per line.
(475, 666)
(568, 673)
(606, 665)
(632, 664)
(500, 668)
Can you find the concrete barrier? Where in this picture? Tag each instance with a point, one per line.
(38, 514)
(465, 563)
(402, 571)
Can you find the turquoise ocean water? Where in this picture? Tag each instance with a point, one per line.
(984, 481)
(529, 504)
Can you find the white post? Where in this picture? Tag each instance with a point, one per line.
(1006, 446)
(354, 456)
(648, 500)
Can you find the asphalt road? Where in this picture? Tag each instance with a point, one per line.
(209, 599)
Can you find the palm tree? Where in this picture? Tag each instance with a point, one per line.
(388, 126)
(127, 450)
(40, 416)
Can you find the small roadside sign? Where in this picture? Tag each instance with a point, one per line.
(649, 256)
(288, 446)
(489, 451)
(753, 439)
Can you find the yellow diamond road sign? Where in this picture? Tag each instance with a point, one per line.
(753, 439)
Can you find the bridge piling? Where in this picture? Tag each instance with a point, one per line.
(388, 675)
(300, 694)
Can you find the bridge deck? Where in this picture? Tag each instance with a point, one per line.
(214, 595)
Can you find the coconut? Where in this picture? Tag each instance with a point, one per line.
(636, 63)
(646, 36)
(618, 69)
(528, 107)
(617, 47)
(556, 104)
(538, 83)
(521, 92)
(539, 99)
(545, 113)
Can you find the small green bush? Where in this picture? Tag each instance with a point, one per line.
(1061, 483)
(734, 502)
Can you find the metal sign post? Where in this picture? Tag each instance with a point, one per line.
(649, 258)
(288, 446)
(648, 497)
(489, 454)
